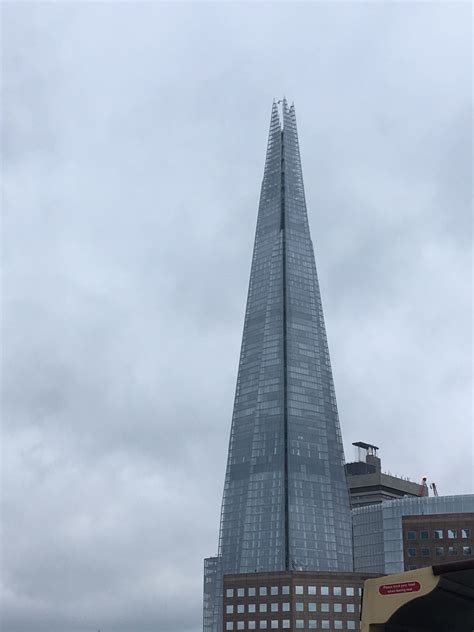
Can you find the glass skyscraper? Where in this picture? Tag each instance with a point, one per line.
(285, 504)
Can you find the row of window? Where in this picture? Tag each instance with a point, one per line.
(440, 550)
(286, 607)
(439, 534)
(264, 591)
(300, 624)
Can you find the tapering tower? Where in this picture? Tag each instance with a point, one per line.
(285, 504)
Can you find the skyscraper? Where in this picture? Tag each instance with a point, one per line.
(285, 505)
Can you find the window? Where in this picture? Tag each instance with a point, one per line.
(251, 607)
(251, 592)
(240, 625)
(351, 625)
(438, 534)
(425, 552)
(262, 607)
(325, 624)
(349, 591)
(299, 624)
(263, 624)
(337, 592)
(274, 607)
(229, 609)
(262, 591)
(324, 607)
(229, 592)
(337, 607)
(311, 590)
(252, 625)
(299, 606)
(312, 607)
(240, 608)
(424, 535)
(465, 533)
(240, 592)
(275, 624)
(359, 591)
(312, 624)
(274, 590)
(451, 534)
(466, 550)
(285, 590)
(411, 552)
(285, 606)
(350, 607)
(452, 550)
(324, 590)
(411, 535)
(338, 625)
(298, 590)
(286, 623)
(439, 550)
(229, 625)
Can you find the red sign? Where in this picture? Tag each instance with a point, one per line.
(402, 587)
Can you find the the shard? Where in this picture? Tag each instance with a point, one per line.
(285, 504)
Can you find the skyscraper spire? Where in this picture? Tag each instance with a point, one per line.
(285, 502)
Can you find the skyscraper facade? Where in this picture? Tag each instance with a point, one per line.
(409, 533)
(285, 505)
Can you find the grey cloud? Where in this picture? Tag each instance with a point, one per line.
(133, 145)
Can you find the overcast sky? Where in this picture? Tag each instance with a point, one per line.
(133, 150)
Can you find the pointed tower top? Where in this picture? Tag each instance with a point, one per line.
(275, 119)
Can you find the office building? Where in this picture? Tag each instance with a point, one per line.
(368, 485)
(409, 533)
(285, 504)
(293, 600)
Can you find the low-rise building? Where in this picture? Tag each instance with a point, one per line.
(409, 533)
(293, 600)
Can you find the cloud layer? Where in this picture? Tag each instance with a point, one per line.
(134, 139)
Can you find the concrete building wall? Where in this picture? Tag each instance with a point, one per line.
(292, 600)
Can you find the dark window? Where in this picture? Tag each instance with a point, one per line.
(412, 553)
(425, 552)
(466, 550)
(438, 534)
(411, 535)
(439, 550)
(452, 550)
(424, 535)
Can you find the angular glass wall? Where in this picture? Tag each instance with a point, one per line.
(378, 533)
(319, 516)
(212, 604)
(285, 504)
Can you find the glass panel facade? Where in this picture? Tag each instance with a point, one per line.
(285, 503)
(378, 532)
